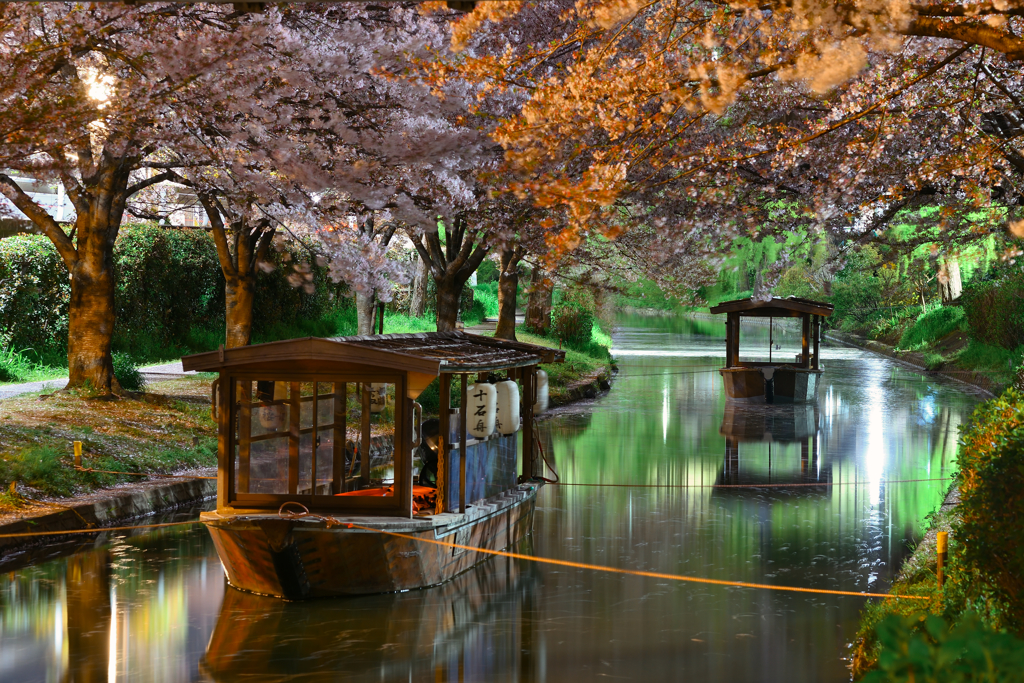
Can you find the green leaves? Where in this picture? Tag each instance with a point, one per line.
(924, 649)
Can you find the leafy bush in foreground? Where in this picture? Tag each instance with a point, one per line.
(924, 649)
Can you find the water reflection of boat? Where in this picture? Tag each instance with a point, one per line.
(475, 627)
(292, 412)
(795, 423)
(770, 381)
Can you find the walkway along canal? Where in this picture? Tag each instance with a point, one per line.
(152, 606)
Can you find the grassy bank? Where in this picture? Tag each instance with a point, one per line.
(36, 458)
(969, 629)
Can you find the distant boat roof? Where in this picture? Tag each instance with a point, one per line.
(427, 352)
(789, 307)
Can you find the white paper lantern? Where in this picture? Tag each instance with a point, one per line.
(542, 393)
(507, 419)
(481, 406)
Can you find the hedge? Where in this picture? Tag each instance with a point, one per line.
(168, 284)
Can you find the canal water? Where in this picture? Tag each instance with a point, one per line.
(153, 606)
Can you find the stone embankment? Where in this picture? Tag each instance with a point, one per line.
(107, 508)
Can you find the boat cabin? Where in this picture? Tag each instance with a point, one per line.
(334, 424)
(782, 380)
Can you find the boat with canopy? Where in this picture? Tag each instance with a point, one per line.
(773, 380)
(319, 441)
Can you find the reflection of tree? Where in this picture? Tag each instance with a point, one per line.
(88, 609)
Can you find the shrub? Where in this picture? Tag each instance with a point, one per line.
(127, 372)
(924, 649)
(995, 310)
(991, 507)
(933, 325)
(168, 284)
(573, 324)
(487, 295)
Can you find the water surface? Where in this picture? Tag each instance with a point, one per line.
(154, 607)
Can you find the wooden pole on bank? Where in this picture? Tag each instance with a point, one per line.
(942, 549)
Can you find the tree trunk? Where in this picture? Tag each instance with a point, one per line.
(364, 314)
(238, 296)
(508, 289)
(418, 303)
(449, 293)
(91, 313)
(951, 286)
(538, 307)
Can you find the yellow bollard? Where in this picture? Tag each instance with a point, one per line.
(78, 454)
(942, 547)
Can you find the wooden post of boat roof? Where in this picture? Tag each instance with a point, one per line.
(316, 435)
(771, 338)
(805, 360)
(225, 449)
(816, 333)
(729, 342)
(244, 435)
(443, 435)
(294, 410)
(364, 447)
(462, 446)
(403, 447)
(340, 436)
(529, 382)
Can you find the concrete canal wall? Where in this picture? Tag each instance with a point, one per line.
(107, 508)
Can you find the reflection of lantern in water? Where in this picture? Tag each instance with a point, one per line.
(378, 397)
(542, 393)
(507, 417)
(481, 406)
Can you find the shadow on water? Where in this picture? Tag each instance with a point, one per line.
(153, 606)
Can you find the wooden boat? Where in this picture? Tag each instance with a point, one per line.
(401, 636)
(770, 381)
(772, 425)
(307, 507)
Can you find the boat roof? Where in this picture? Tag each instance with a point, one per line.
(782, 308)
(427, 352)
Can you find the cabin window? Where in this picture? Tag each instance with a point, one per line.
(298, 439)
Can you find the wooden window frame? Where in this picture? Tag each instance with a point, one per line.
(397, 505)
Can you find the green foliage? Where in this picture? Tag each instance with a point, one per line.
(169, 297)
(995, 309)
(925, 649)
(487, 295)
(890, 327)
(34, 295)
(573, 324)
(992, 500)
(487, 272)
(797, 281)
(127, 372)
(933, 325)
(15, 366)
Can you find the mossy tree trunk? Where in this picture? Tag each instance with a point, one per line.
(99, 194)
(508, 291)
(241, 246)
(450, 264)
(538, 307)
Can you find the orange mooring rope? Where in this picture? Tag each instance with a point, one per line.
(504, 553)
(634, 572)
(96, 530)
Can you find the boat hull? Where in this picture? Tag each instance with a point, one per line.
(303, 558)
(792, 385)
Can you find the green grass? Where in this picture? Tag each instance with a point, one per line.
(17, 367)
(397, 323)
(487, 294)
(933, 325)
(49, 470)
